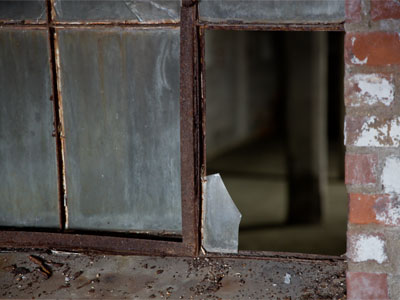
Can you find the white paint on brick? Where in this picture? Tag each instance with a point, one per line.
(390, 214)
(391, 175)
(353, 39)
(373, 89)
(356, 61)
(369, 247)
(386, 135)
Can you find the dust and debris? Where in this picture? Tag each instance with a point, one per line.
(182, 278)
(287, 278)
(43, 268)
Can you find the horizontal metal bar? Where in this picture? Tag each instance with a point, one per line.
(23, 24)
(115, 23)
(92, 243)
(272, 27)
(281, 256)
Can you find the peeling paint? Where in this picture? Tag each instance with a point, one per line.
(390, 175)
(371, 89)
(356, 61)
(368, 247)
(372, 135)
(388, 213)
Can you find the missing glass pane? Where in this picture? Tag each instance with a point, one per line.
(274, 133)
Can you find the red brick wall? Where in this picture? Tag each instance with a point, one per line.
(372, 130)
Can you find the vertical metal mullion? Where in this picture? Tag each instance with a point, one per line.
(190, 129)
(203, 118)
(57, 118)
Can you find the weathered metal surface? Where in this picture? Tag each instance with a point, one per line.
(220, 218)
(29, 11)
(99, 276)
(28, 174)
(273, 27)
(275, 11)
(120, 243)
(119, 90)
(138, 11)
(190, 120)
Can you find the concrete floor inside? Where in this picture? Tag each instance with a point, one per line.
(255, 176)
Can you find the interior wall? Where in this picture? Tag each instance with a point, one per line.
(241, 70)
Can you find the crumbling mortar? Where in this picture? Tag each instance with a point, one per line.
(371, 188)
(373, 228)
(351, 149)
(369, 267)
(388, 25)
(365, 69)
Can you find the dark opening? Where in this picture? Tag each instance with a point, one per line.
(275, 134)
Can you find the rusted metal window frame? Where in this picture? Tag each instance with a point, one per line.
(202, 26)
(106, 242)
(193, 143)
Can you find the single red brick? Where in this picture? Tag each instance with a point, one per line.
(360, 168)
(372, 48)
(363, 286)
(367, 209)
(353, 11)
(385, 9)
(372, 131)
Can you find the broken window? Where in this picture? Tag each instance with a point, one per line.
(101, 116)
(274, 133)
(91, 125)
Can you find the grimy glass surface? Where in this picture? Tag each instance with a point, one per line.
(28, 172)
(120, 94)
(19, 10)
(118, 10)
(270, 11)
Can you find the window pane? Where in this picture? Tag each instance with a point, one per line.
(28, 173)
(130, 10)
(288, 11)
(120, 93)
(19, 10)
